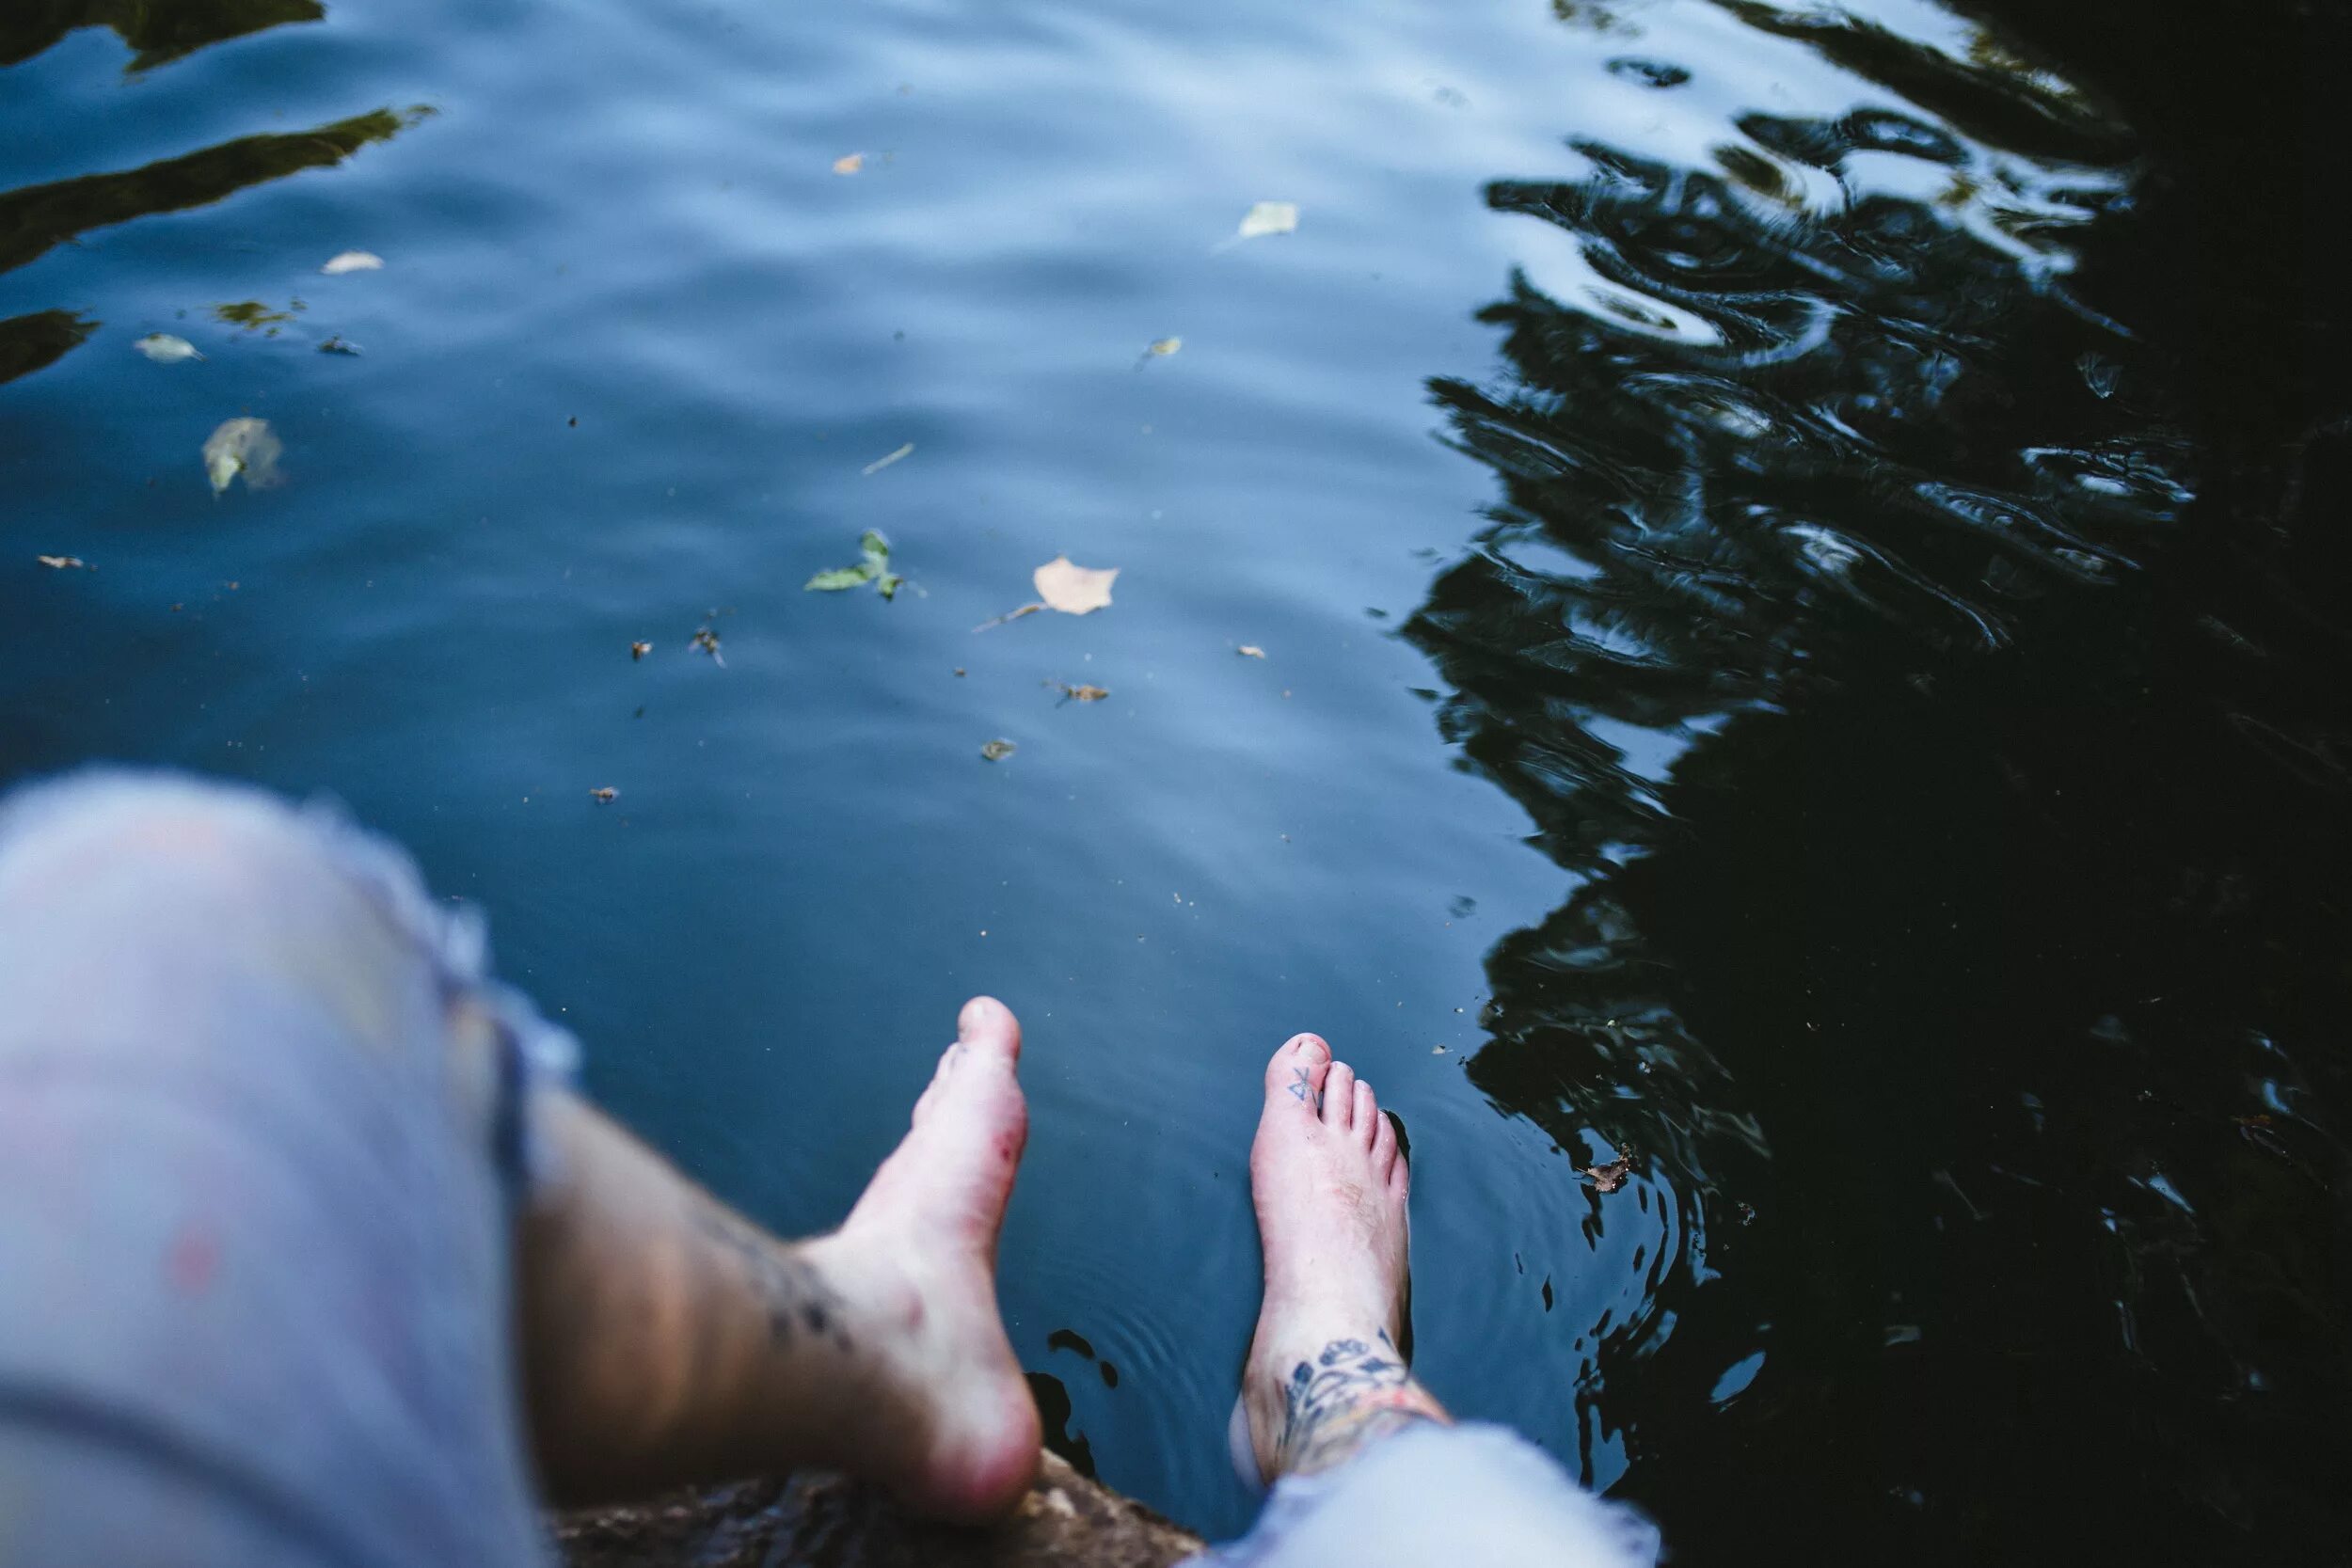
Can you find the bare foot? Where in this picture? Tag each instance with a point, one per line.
(956, 1433)
(1325, 1371)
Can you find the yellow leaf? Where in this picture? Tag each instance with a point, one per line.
(1074, 589)
(850, 163)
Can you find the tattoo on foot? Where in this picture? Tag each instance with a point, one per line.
(1302, 1091)
(795, 1295)
(1350, 1393)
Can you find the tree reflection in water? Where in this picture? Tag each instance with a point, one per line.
(1959, 932)
(35, 218)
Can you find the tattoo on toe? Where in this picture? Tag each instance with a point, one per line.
(1302, 1091)
(1350, 1393)
(794, 1295)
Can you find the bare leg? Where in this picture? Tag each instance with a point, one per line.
(667, 1339)
(1326, 1374)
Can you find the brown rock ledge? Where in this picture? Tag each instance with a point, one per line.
(823, 1521)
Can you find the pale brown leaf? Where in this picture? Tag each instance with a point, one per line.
(1074, 589)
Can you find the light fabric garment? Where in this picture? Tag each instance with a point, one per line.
(263, 1124)
(1438, 1497)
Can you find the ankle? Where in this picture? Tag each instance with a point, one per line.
(1314, 1398)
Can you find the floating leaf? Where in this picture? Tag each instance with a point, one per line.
(61, 562)
(873, 569)
(165, 349)
(604, 795)
(708, 641)
(340, 344)
(242, 446)
(1078, 693)
(639, 650)
(997, 751)
(1074, 589)
(880, 463)
(255, 316)
(1250, 650)
(352, 260)
(848, 163)
(1158, 349)
(1609, 1178)
(1268, 217)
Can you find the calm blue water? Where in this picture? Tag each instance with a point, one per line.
(1685, 416)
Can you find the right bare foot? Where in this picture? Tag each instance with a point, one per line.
(1325, 1371)
(952, 1426)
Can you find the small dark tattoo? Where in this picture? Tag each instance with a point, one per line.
(793, 1294)
(1344, 1397)
(1302, 1091)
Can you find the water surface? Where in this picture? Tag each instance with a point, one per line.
(1779, 657)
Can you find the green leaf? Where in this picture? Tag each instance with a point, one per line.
(887, 584)
(877, 548)
(845, 576)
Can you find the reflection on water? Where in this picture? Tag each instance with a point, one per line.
(1957, 928)
(35, 218)
(159, 30)
(29, 342)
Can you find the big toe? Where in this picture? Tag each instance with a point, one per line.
(987, 1026)
(1297, 1070)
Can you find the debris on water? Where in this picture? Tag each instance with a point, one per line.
(880, 463)
(1437, 1050)
(604, 795)
(65, 563)
(242, 446)
(848, 163)
(639, 650)
(352, 260)
(874, 569)
(1073, 590)
(1078, 693)
(2099, 374)
(1609, 1178)
(252, 315)
(997, 751)
(165, 349)
(708, 641)
(1266, 217)
(958, 671)
(1250, 650)
(1158, 349)
(340, 344)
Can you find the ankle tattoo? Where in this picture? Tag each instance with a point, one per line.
(1350, 1393)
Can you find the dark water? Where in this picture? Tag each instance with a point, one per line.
(1799, 555)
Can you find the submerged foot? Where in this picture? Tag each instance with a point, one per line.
(958, 1435)
(1325, 1369)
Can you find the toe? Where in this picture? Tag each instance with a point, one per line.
(1339, 1096)
(1296, 1073)
(1367, 1113)
(988, 1027)
(1383, 1146)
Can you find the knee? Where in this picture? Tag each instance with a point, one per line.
(157, 830)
